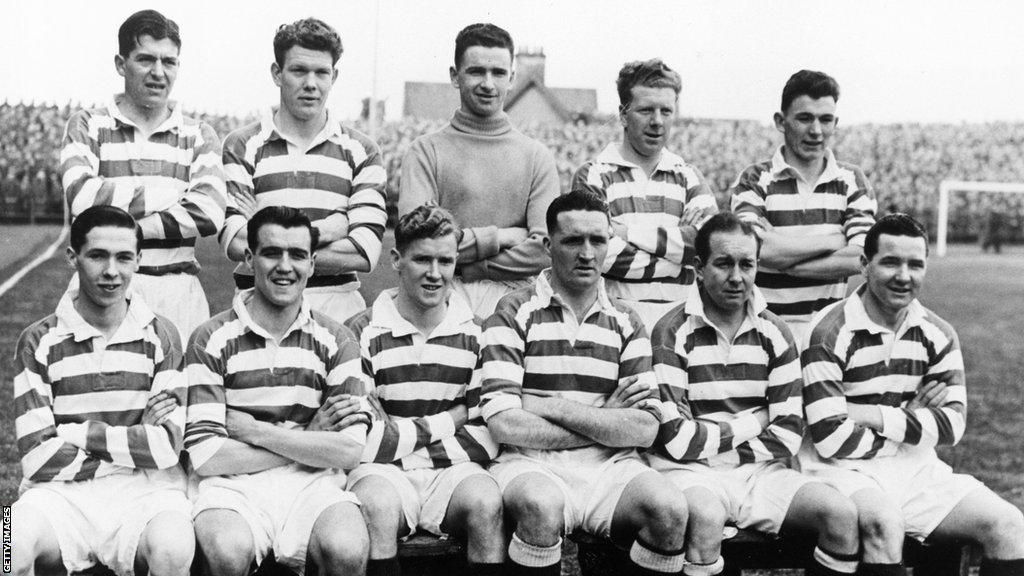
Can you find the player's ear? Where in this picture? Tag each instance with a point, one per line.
(623, 108)
(395, 257)
(119, 64)
(547, 243)
(780, 122)
(275, 73)
(71, 256)
(863, 260)
(698, 269)
(248, 255)
(453, 75)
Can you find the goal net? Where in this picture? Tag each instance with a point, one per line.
(948, 186)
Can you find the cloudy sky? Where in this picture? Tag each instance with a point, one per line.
(896, 61)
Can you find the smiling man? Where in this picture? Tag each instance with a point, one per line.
(298, 155)
(420, 348)
(496, 181)
(99, 404)
(274, 409)
(567, 388)
(729, 375)
(141, 154)
(883, 385)
(657, 201)
(810, 210)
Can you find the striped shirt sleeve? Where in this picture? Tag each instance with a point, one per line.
(747, 195)
(205, 425)
(238, 173)
(784, 433)
(834, 433)
(367, 213)
(142, 445)
(861, 206)
(635, 361)
(503, 355)
(45, 454)
(942, 426)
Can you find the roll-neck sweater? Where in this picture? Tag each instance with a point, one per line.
(489, 176)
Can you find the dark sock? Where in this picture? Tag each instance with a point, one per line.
(867, 569)
(520, 570)
(485, 569)
(1002, 567)
(827, 563)
(383, 567)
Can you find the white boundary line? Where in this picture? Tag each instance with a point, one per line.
(46, 255)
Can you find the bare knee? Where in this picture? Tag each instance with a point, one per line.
(380, 504)
(1001, 534)
(225, 542)
(839, 521)
(538, 511)
(881, 528)
(481, 502)
(340, 542)
(707, 517)
(167, 545)
(665, 511)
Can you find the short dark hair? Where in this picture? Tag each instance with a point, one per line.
(721, 222)
(97, 216)
(575, 200)
(651, 73)
(425, 221)
(486, 35)
(146, 23)
(896, 224)
(309, 33)
(809, 83)
(283, 216)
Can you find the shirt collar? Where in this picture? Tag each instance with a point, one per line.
(132, 328)
(782, 170)
(238, 305)
(667, 163)
(695, 304)
(857, 316)
(176, 121)
(268, 128)
(547, 295)
(386, 315)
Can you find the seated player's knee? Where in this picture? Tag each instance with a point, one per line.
(340, 541)
(881, 528)
(1001, 533)
(706, 514)
(837, 518)
(380, 504)
(225, 542)
(665, 509)
(482, 501)
(167, 546)
(35, 549)
(536, 508)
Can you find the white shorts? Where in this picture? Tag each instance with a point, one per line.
(178, 297)
(280, 506)
(591, 493)
(925, 488)
(425, 493)
(339, 303)
(755, 496)
(483, 295)
(100, 521)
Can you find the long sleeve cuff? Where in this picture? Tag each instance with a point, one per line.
(231, 227)
(486, 242)
(75, 434)
(894, 423)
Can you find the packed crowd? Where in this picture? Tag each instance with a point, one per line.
(904, 162)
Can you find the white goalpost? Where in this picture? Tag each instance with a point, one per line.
(947, 186)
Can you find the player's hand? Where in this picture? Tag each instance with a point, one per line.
(245, 202)
(619, 229)
(241, 425)
(696, 216)
(158, 408)
(630, 392)
(337, 413)
(931, 394)
(509, 237)
(762, 227)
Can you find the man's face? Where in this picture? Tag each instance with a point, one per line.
(305, 80)
(282, 263)
(578, 248)
(808, 127)
(728, 274)
(425, 270)
(105, 264)
(149, 71)
(647, 119)
(895, 274)
(483, 79)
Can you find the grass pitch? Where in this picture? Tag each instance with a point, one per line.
(981, 295)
